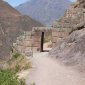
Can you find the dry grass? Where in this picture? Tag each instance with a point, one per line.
(18, 62)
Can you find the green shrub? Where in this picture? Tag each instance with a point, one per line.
(17, 68)
(7, 77)
(16, 55)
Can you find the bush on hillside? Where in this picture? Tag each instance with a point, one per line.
(7, 77)
(18, 62)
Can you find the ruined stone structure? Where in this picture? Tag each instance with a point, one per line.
(31, 41)
(56, 35)
(74, 19)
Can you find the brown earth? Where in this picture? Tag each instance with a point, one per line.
(6, 9)
(12, 24)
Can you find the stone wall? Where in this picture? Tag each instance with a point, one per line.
(37, 35)
(30, 41)
(23, 44)
(58, 34)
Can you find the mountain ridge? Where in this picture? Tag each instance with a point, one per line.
(44, 11)
(6, 9)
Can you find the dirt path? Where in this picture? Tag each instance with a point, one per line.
(47, 71)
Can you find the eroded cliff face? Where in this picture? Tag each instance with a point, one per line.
(81, 3)
(73, 16)
(71, 50)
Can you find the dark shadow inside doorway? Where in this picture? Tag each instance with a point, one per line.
(42, 43)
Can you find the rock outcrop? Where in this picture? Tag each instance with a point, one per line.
(81, 3)
(71, 50)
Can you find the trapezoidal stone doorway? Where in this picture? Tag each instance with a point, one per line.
(46, 41)
(33, 41)
(42, 39)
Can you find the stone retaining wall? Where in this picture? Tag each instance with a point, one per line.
(58, 34)
(30, 42)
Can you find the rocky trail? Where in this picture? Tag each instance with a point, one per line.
(47, 71)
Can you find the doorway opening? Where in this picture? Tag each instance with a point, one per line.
(45, 42)
(42, 41)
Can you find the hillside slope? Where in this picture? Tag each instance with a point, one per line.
(12, 24)
(45, 11)
(6, 9)
(71, 50)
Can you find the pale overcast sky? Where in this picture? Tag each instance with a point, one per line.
(17, 2)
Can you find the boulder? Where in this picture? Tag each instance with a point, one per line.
(71, 50)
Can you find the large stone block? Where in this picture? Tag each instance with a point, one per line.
(36, 38)
(36, 44)
(27, 43)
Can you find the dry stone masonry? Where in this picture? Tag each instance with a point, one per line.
(30, 41)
